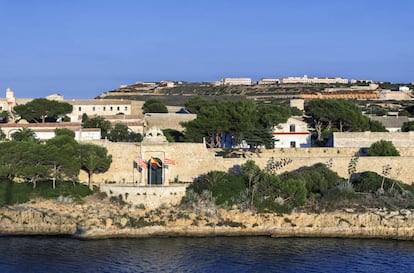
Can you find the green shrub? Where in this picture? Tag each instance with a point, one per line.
(318, 178)
(225, 188)
(45, 190)
(383, 148)
(276, 194)
(14, 193)
(370, 182)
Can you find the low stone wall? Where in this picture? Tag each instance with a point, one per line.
(150, 197)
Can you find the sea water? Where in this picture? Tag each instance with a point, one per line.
(214, 254)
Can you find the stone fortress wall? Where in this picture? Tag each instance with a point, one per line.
(193, 159)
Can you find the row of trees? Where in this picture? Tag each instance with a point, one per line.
(117, 133)
(58, 159)
(338, 115)
(242, 119)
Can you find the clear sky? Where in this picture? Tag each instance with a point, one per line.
(81, 48)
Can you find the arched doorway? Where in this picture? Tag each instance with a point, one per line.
(155, 171)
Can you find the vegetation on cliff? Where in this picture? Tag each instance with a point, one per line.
(314, 188)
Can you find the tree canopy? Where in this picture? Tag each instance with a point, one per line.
(383, 148)
(242, 119)
(121, 133)
(94, 159)
(116, 133)
(24, 134)
(42, 110)
(58, 159)
(338, 115)
(97, 122)
(407, 126)
(154, 106)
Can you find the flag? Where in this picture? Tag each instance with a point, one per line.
(142, 163)
(154, 162)
(169, 161)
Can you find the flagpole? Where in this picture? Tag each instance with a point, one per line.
(133, 167)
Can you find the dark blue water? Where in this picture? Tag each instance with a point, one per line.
(218, 254)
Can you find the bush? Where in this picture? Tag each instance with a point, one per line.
(276, 194)
(14, 193)
(154, 106)
(370, 182)
(45, 190)
(383, 148)
(173, 135)
(225, 188)
(318, 178)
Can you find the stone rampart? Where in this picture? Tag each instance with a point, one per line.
(365, 139)
(193, 159)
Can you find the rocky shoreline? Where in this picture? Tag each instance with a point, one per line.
(102, 219)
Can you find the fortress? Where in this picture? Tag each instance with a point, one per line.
(180, 163)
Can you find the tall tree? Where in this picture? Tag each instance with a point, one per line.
(94, 159)
(63, 160)
(243, 120)
(32, 164)
(341, 114)
(38, 110)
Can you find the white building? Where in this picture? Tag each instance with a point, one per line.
(99, 108)
(292, 134)
(306, 79)
(265, 81)
(353, 81)
(236, 81)
(45, 131)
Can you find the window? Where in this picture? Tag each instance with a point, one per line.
(80, 108)
(93, 108)
(293, 144)
(117, 108)
(126, 108)
(292, 128)
(111, 108)
(104, 108)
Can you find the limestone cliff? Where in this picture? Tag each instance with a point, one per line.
(104, 220)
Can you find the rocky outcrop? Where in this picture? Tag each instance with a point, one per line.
(107, 220)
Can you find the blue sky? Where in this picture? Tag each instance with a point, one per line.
(81, 48)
